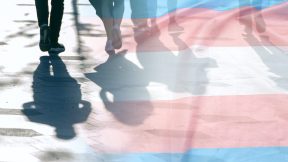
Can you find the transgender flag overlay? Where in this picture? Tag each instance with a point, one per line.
(207, 82)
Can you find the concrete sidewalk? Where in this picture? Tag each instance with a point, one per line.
(22, 139)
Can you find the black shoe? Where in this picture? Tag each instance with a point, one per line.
(56, 48)
(44, 38)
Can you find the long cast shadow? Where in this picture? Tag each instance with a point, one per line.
(125, 82)
(57, 98)
(248, 15)
(124, 85)
(183, 72)
(273, 57)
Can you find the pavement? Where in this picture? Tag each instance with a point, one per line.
(88, 107)
(26, 134)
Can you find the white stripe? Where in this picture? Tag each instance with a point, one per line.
(199, 71)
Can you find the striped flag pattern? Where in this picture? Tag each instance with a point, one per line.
(210, 86)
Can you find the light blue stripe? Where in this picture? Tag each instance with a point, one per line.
(219, 5)
(264, 154)
(157, 8)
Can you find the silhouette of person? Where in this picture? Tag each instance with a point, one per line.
(49, 33)
(246, 17)
(111, 13)
(57, 98)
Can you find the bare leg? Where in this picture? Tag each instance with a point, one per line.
(246, 19)
(118, 11)
(172, 9)
(259, 20)
(107, 18)
(140, 20)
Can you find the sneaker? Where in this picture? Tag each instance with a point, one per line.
(56, 48)
(109, 48)
(44, 38)
(117, 39)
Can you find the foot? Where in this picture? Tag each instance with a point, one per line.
(56, 48)
(44, 38)
(109, 48)
(117, 39)
(142, 34)
(260, 27)
(155, 30)
(174, 27)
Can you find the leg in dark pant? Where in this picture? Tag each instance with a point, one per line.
(42, 11)
(42, 15)
(97, 4)
(56, 19)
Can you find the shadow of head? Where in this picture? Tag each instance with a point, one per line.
(61, 117)
(65, 133)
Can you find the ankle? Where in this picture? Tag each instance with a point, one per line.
(116, 26)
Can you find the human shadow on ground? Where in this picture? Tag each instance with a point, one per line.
(57, 98)
(271, 55)
(130, 102)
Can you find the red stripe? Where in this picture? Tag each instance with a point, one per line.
(215, 28)
(192, 122)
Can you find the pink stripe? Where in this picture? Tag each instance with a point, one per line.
(215, 28)
(192, 122)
